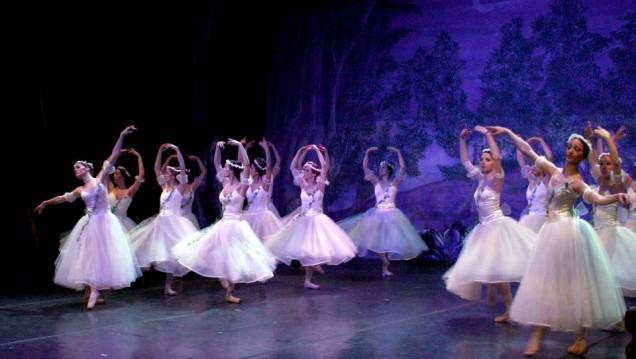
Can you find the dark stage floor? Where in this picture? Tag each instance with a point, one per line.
(355, 314)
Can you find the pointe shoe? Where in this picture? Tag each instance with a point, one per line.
(533, 348)
(578, 348)
(169, 291)
(386, 273)
(232, 299)
(92, 299)
(310, 285)
(99, 300)
(504, 318)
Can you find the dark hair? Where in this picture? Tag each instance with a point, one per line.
(236, 167)
(261, 165)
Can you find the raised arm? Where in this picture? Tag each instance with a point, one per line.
(276, 166)
(203, 172)
(613, 151)
(324, 164)
(523, 146)
(402, 170)
(159, 168)
(104, 172)
(296, 164)
(369, 175)
(588, 133)
(496, 156)
(268, 164)
(141, 172)
(463, 151)
(217, 156)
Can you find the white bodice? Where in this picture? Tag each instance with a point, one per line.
(561, 198)
(537, 198)
(606, 215)
(257, 200)
(487, 202)
(119, 206)
(311, 203)
(232, 205)
(170, 203)
(95, 198)
(385, 197)
(186, 203)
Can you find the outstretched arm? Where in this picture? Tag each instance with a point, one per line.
(66, 197)
(217, 156)
(324, 164)
(296, 164)
(588, 133)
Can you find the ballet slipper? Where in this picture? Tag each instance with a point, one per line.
(92, 299)
(386, 273)
(232, 299)
(504, 318)
(579, 347)
(310, 285)
(534, 344)
(169, 291)
(99, 300)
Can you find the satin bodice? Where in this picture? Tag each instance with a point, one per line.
(186, 203)
(561, 198)
(232, 205)
(311, 202)
(537, 198)
(96, 199)
(385, 197)
(487, 202)
(119, 206)
(170, 202)
(257, 199)
(606, 215)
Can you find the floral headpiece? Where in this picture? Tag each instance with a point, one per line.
(124, 170)
(312, 166)
(85, 164)
(238, 166)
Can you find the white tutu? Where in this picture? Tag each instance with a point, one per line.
(387, 231)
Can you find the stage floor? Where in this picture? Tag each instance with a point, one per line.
(355, 314)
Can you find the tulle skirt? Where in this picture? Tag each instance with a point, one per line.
(387, 231)
(631, 222)
(620, 244)
(494, 252)
(569, 282)
(533, 221)
(153, 238)
(264, 223)
(192, 218)
(127, 222)
(311, 240)
(227, 249)
(96, 253)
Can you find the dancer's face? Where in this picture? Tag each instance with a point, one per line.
(606, 166)
(486, 163)
(575, 152)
